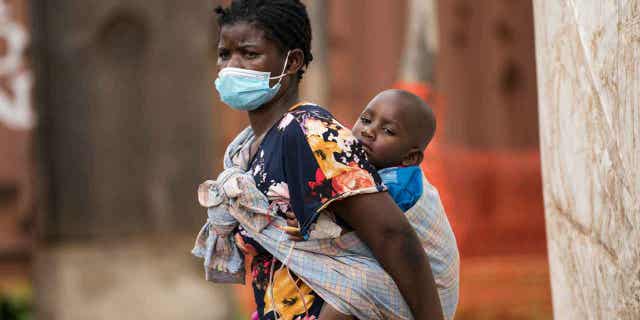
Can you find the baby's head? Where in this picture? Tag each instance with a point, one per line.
(395, 128)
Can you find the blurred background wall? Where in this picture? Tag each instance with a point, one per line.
(16, 166)
(124, 102)
(143, 74)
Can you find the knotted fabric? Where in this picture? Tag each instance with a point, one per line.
(231, 198)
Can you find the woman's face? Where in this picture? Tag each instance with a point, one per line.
(242, 45)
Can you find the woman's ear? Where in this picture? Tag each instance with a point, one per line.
(296, 61)
(413, 158)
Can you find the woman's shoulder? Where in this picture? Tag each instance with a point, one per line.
(311, 118)
(308, 110)
(309, 107)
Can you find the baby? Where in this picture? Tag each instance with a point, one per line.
(394, 130)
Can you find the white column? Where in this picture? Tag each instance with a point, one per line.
(421, 42)
(315, 84)
(588, 63)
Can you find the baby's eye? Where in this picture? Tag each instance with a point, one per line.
(389, 132)
(365, 120)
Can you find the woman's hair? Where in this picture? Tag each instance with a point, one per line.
(284, 21)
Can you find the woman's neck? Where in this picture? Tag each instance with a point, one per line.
(263, 118)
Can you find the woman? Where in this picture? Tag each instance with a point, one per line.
(306, 162)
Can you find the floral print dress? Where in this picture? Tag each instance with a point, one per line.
(306, 161)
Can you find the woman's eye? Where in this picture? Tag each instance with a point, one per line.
(365, 120)
(389, 132)
(251, 55)
(223, 54)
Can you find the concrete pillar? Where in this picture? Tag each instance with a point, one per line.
(588, 62)
(417, 64)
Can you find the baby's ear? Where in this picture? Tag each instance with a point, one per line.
(413, 158)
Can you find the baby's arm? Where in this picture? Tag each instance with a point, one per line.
(383, 227)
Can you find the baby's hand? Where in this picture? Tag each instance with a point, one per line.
(293, 227)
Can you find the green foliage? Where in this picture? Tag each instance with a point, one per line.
(15, 308)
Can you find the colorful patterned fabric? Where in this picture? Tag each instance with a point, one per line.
(335, 268)
(306, 161)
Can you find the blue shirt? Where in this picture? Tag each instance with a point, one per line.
(404, 185)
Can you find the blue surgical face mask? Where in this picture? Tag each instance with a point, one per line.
(247, 90)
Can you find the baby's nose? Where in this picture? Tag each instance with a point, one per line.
(367, 133)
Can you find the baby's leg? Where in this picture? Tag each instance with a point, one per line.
(329, 313)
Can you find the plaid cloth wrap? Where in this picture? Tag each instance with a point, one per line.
(233, 197)
(341, 270)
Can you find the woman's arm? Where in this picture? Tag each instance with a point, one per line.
(383, 227)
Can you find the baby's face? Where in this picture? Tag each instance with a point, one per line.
(382, 130)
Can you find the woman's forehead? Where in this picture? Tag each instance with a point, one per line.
(243, 33)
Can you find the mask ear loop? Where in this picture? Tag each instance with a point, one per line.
(282, 74)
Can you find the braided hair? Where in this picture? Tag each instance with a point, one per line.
(284, 21)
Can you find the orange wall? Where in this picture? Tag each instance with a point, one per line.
(488, 143)
(484, 159)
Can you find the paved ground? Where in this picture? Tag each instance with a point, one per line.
(496, 288)
(492, 288)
